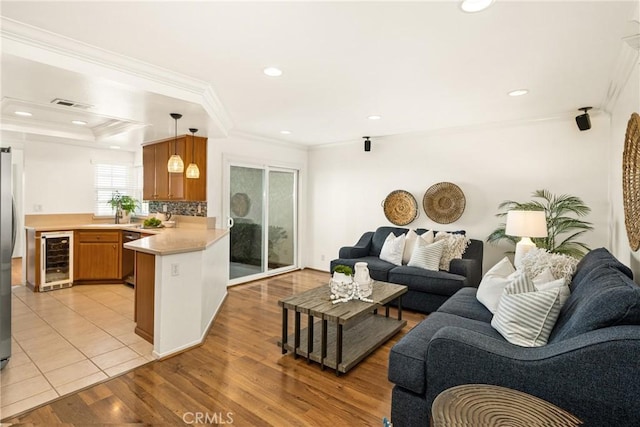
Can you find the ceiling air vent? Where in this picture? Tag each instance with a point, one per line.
(67, 103)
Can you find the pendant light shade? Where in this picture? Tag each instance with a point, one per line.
(175, 163)
(192, 170)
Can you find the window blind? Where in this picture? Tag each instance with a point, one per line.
(110, 178)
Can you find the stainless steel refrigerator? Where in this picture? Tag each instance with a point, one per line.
(7, 242)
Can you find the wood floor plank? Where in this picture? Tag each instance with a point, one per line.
(239, 372)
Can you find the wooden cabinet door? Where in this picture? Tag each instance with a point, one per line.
(149, 172)
(97, 255)
(145, 294)
(98, 261)
(175, 190)
(196, 189)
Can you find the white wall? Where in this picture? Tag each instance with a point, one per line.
(347, 185)
(628, 103)
(58, 178)
(264, 152)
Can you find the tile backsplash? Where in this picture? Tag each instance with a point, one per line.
(180, 208)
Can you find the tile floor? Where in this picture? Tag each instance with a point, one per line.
(68, 339)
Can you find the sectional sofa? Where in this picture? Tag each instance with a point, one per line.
(428, 289)
(589, 367)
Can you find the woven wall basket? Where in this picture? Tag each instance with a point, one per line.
(444, 202)
(631, 181)
(400, 207)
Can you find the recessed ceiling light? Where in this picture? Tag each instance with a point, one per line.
(285, 132)
(472, 6)
(79, 122)
(272, 71)
(114, 147)
(23, 113)
(374, 117)
(518, 92)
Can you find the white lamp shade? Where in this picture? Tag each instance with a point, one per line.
(526, 224)
(193, 171)
(175, 164)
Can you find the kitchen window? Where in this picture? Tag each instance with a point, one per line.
(110, 178)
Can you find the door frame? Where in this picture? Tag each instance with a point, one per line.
(266, 165)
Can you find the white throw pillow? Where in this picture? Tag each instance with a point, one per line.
(392, 249)
(427, 255)
(410, 243)
(454, 247)
(560, 284)
(525, 317)
(493, 284)
(545, 277)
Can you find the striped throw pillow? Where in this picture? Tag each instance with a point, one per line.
(426, 255)
(526, 316)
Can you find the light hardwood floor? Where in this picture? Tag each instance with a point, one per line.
(238, 376)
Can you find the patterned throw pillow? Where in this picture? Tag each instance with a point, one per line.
(454, 247)
(410, 243)
(526, 316)
(392, 249)
(537, 260)
(427, 255)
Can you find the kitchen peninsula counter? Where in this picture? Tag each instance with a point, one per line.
(181, 275)
(176, 240)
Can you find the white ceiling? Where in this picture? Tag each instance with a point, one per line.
(420, 65)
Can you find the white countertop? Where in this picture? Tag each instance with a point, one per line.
(163, 241)
(177, 240)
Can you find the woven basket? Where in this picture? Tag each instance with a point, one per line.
(631, 181)
(400, 207)
(444, 202)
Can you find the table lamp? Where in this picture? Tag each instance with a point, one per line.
(525, 224)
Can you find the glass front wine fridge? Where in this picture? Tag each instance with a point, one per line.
(56, 260)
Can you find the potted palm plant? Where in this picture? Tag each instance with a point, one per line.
(124, 206)
(564, 225)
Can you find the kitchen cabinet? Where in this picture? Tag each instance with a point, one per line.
(97, 255)
(196, 189)
(159, 184)
(32, 262)
(145, 295)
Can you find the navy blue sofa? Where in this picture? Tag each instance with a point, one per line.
(590, 366)
(428, 289)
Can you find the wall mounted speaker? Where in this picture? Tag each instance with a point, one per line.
(583, 121)
(367, 143)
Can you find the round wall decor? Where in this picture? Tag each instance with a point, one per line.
(400, 207)
(240, 204)
(444, 202)
(631, 181)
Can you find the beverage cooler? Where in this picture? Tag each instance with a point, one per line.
(56, 262)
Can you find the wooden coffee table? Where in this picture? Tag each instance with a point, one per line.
(349, 331)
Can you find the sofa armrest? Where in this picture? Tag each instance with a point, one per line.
(361, 249)
(595, 376)
(469, 268)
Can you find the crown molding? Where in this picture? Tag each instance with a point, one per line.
(254, 137)
(36, 44)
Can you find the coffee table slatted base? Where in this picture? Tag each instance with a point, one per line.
(360, 340)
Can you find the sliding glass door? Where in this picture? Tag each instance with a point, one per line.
(262, 210)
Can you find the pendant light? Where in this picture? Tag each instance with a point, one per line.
(175, 163)
(192, 170)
